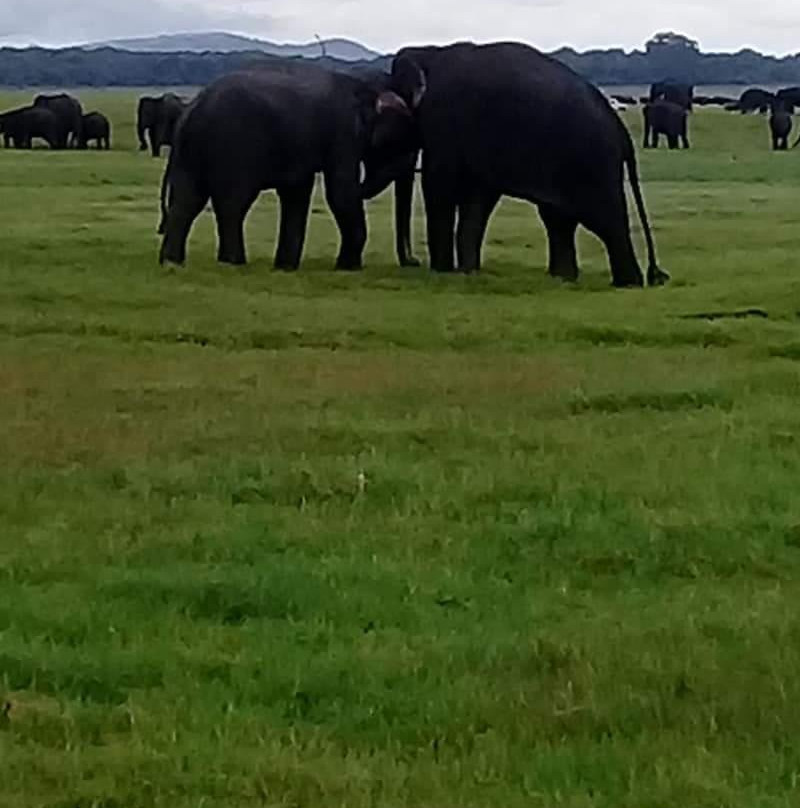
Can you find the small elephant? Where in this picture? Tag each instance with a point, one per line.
(676, 92)
(665, 118)
(95, 127)
(20, 126)
(755, 100)
(157, 118)
(780, 125)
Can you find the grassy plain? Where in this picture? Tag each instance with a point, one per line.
(389, 539)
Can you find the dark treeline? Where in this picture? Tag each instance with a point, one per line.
(666, 54)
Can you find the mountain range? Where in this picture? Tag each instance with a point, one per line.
(219, 42)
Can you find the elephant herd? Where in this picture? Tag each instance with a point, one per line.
(666, 111)
(489, 121)
(59, 120)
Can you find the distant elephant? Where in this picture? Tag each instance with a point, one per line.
(668, 119)
(95, 127)
(275, 127)
(69, 112)
(625, 99)
(755, 100)
(156, 118)
(780, 125)
(504, 119)
(789, 97)
(20, 126)
(677, 92)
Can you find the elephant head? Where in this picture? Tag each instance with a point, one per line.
(394, 139)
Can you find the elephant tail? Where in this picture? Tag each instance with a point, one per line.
(165, 189)
(655, 275)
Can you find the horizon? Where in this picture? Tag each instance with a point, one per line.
(9, 42)
(720, 26)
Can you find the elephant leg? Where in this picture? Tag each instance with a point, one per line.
(186, 204)
(685, 139)
(343, 195)
(605, 213)
(403, 205)
(672, 141)
(295, 203)
(473, 219)
(562, 254)
(440, 214)
(231, 209)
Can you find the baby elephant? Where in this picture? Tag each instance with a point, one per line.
(95, 127)
(780, 125)
(665, 118)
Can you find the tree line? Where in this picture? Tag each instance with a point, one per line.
(667, 54)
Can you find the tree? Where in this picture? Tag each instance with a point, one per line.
(672, 41)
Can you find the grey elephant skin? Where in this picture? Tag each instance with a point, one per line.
(275, 128)
(19, 127)
(504, 119)
(156, 120)
(69, 112)
(95, 127)
(667, 119)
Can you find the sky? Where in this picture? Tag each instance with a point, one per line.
(771, 26)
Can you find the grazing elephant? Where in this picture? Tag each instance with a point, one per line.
(780, 125)
(789, 97)
(676, 92)
(95, 127)
(668, 119)
(504, 119)
(20, 126)
(69, 112)
(157, 118)
(276, 127)
(755, 100)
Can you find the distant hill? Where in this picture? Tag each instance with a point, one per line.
(217, 42)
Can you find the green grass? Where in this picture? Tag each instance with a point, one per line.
(391, 539)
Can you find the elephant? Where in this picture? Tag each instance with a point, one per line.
(676, 92)
(95, 127)
(625, 99)
(665, 118)
(780, 125)
(20, 126)
(69, 112)
(755, 100)
(275, 127)
(789, 97)
(156, 118)
(504, 119)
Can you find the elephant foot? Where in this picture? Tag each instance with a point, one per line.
(349, 265)
(565, 274)
(657, 277)
(632, 282)
(410, 262)
(285, 266)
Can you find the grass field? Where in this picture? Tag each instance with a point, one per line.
(389, 539)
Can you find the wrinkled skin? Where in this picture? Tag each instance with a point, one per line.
(156, 119)
(69, 113)
(504, 119)
(668, 119)
(676, 92)
(273, 128)
(19, 127)
(95, 127)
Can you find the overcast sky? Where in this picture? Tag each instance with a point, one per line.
(770, 25)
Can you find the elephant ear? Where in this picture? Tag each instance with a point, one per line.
(408, 80)
(391, 100)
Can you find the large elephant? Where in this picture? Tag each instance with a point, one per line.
(69, 112)
(20, 126)
(677, 92)
(156, 119)
(276, 127)
(668, 119)
(95, 127)
(504, 119)
(754, 100)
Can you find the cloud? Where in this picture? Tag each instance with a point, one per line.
(718, 24)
